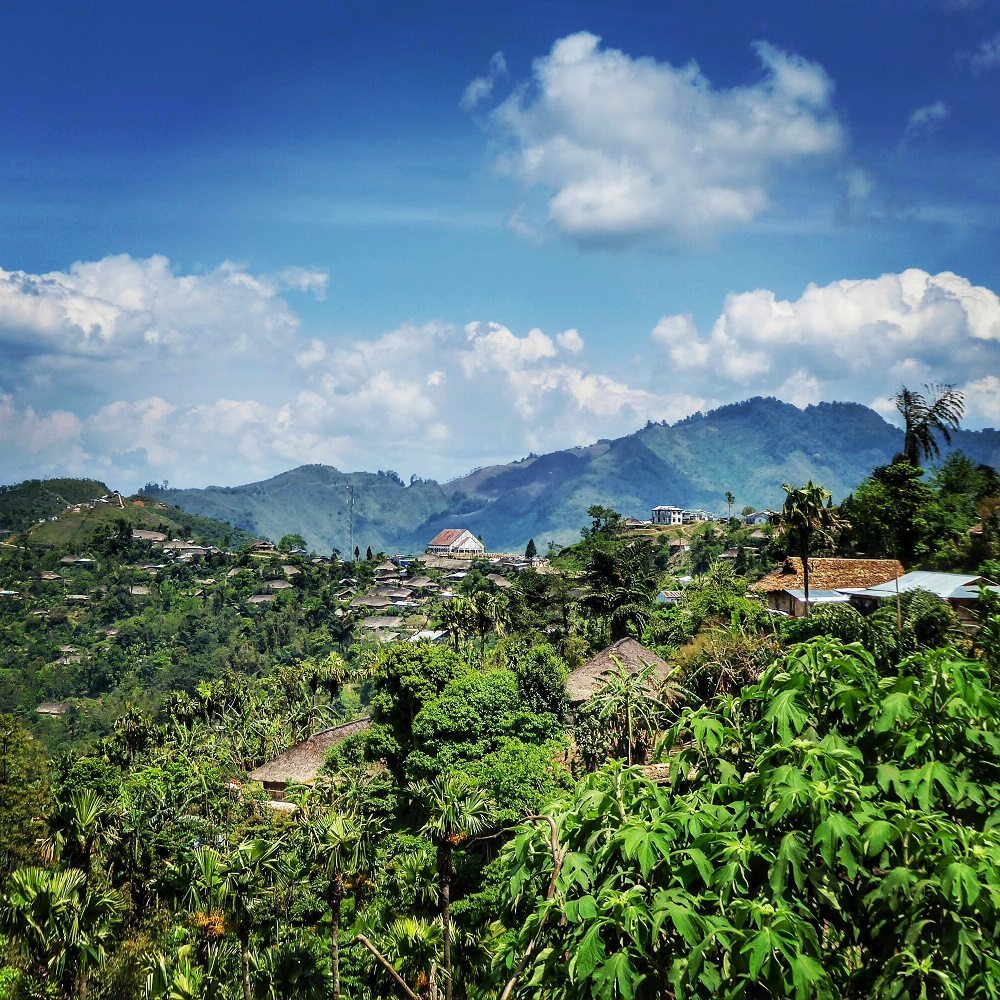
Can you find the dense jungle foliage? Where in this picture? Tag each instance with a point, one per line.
(772, 807)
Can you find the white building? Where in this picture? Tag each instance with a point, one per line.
(455, 541)
(667, 515)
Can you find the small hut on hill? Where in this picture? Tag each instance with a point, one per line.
(585, 681)
(301, 764)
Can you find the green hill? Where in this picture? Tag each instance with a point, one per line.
(67, 512)
(24, 504)
(750, 448)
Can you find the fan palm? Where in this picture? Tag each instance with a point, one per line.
(345, 849)
(80, 829)
(628, 702)
(622, 583)
(455, 811)
(807, 517)
(61, 925)
(939, 412)
(238, 883)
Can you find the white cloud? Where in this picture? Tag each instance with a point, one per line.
(632, 146)
(570, 340)
(986, 56)
(926, 119)
(982, 399)
(859, 186)
(138, 312)
(853, 340)
(481, 88)
(434, 398)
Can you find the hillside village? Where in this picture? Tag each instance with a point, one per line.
(186, 679)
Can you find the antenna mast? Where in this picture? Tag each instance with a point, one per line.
(350, 514)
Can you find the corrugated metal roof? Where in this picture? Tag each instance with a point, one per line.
(942, 584)
(820, 596)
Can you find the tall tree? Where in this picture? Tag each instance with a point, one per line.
(730, 500)
(343, 846)
(622, 583)
(807, 517)
(239, 883)
(939, 412)
(60, 925)
(455, 811)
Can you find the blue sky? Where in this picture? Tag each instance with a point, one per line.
(235, 238)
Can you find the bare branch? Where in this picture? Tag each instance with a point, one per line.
(558, 857)
(387, 965)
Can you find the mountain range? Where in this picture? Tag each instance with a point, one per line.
(748, 448)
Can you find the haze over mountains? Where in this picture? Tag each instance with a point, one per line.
(750, 448)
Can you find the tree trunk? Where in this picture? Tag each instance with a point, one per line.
(805, 571)
(245, 964)
(445, 872)
(335, 945)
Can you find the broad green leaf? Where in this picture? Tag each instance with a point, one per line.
(588, 954)
(785, 715)
(617, 977)
(895, 710)
(806, 974)
(961, 883)
(877, 834)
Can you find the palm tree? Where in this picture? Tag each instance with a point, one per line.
(622, 584)
(807, 516)
(80, 828)
(60, 925)
(629, 702)
(238, 883)
(455, 616)
(413, 946)
(455, 811)
(346, 851)
(730, 500)
(924, 417)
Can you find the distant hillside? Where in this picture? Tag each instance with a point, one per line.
(750, 448)
(314, 501)
(24, 504)
(67, 512)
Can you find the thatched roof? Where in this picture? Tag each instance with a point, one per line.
(585, 681)
(830, 574)
(300, 764)
(53, 708)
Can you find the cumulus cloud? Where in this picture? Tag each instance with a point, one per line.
(421, 398)
(926, 119)
(133, 313)
(433, 398)
(845, 340)
(632, 147)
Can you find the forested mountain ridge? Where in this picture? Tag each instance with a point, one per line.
(749, 448)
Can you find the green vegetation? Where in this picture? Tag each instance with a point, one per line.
(744, 805)
(24, 504)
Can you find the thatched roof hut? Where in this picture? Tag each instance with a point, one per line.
(53, 708)
(586, 680)
(830, 574)
(300, 764)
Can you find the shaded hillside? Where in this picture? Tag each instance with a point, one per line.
(313, 501)
(750, 448)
